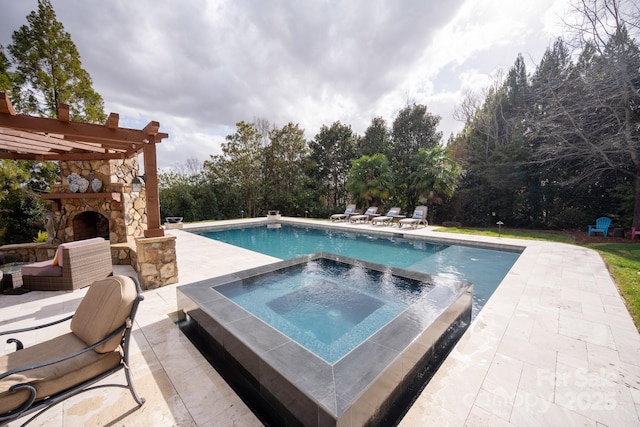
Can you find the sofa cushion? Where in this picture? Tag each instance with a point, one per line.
(42, 268)
(103, 309)
(51, 379)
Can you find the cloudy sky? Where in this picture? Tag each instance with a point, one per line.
(200, 66)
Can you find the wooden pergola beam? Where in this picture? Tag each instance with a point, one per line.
(151, 128)
(112, 121)
(5, 105)
(41, 157)
(154, 228)
(63, 113)
(72, 130)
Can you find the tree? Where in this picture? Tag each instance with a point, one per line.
(185, 191)
(494, 152)
(12, 175)
(436, 176)
(587, 116)
(376, 139)
(21, 207)
(413, 128)
(370, 180)
(21, 217)
(5, 79)
(285, 181)
(332, 150)
(48, 70)
(240, 165)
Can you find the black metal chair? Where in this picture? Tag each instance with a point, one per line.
(36, 378)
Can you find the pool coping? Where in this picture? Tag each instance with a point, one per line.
(359, 387)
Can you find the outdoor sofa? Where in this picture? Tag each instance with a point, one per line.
(76, 265)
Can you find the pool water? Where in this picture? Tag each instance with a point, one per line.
(483, 267)
(327, 307)
(381, 371)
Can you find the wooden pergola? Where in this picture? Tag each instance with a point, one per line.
(24, 137)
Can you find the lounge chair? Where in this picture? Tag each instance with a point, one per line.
(419, 216)
(350, 210)
(602, 226)
(386, 219)
(75, 265)
(634, 232)
(35, 378)
(369, 213)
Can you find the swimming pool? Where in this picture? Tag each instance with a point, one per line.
(286, 383)
(484, 267)
(327, 307)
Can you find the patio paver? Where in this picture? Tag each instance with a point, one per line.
(554, 345)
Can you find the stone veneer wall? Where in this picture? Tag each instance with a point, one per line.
(28, 252)
(124, 254)
(121, 253)
(156, 263)
(124, 224)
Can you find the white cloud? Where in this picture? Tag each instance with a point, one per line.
(482, 40)
(201, 66)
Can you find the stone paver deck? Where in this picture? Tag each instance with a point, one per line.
(554, 346)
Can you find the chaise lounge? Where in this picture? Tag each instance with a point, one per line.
(386, 219)
(419, 216)
(369, 213)
(35, 378)
(75, 265)
(350, 210)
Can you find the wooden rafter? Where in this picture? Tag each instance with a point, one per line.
(61, 139)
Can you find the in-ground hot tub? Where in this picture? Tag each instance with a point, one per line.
(326, 339)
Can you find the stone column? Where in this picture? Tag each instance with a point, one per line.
(156, 262)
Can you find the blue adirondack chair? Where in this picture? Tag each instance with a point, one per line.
(602, 226)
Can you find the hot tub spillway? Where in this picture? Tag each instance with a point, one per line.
(284, 383)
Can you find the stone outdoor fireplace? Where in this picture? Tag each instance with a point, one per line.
(89, 224)
(106, 209)
(98, 162)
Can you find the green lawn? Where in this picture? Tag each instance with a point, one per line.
(513, 233)
(623, 260)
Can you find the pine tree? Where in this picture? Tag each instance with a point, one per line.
(48, 70)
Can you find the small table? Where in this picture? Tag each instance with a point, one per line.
(11, 276)
(617, 232)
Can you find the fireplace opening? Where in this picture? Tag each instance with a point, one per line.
(89, 224)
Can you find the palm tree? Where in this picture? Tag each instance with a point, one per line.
(436, 175)
(370, 180)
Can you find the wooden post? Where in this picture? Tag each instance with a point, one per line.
(151, 186)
